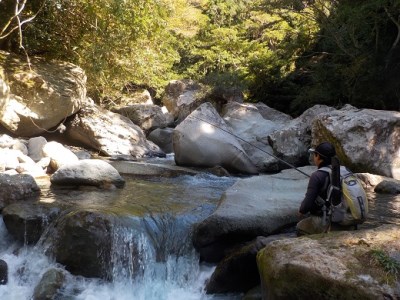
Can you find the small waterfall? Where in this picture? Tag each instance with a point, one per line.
(152, 257)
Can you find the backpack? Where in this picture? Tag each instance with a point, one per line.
(346, 198)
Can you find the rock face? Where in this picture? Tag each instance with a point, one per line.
(88, 172)
(292, 142)
(197, 143)
(110, 133)
(17, 187)
(40, 98)
(256, 206)
(340, 265)
(366, 140)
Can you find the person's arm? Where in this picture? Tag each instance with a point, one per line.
(311, 194)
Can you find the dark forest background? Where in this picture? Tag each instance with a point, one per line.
(289, 54)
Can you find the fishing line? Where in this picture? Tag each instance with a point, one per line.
(243, 140)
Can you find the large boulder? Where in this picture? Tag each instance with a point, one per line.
(292, 141)
(204, 140)
(42, 94)
(93, 172)
(252, 123)
(162, 137)
(83, 243)
(147, 116)
(17, 187)
(255, 206)
(366, 140)
(339, 265)
(110, 133)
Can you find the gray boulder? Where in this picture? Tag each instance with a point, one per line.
(197, 143)
(366, 140)
(88, 172)
(17, 187)
(292, 141)
(110, 133)
(339, 265)
(59, 155)
(388, 187)
(256, 206)
(41, 96)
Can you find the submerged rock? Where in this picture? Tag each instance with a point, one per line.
(3, 272)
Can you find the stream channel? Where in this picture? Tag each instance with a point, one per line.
(166, 265)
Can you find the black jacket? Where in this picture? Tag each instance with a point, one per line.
(317, 186)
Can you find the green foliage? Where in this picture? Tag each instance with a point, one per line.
(390, 265)
(290, 54)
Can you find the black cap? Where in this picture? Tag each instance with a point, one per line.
(325, 149)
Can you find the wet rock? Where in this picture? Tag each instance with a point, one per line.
(3, 272)
(50, 283)
(27, 221)
(93, 172)
(17, 187)
(83, 243)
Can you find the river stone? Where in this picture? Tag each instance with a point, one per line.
(198, 144)
(366, 140)
(110, 133)
(291, 142)
(83, 243)
(26, 221)
(94, 172)
(17, 187)
(42, 94)
(255, 206)
(49, 285)
(338, 265)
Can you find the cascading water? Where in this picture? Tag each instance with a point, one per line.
(151, 256)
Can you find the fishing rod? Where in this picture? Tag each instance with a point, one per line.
(243, 140)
